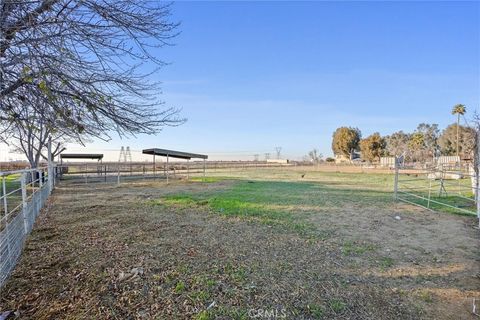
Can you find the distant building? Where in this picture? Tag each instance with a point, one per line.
(340, 158)
(447, 160)
(281, 161)
(388, 162)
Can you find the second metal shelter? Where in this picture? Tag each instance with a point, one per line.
(175, 154)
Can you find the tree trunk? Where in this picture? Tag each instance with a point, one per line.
(458, 136)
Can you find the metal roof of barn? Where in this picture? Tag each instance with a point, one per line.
(174, 154)
(98, 156)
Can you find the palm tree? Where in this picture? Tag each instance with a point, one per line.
(458, 109)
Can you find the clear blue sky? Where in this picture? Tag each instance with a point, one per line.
(254, 75)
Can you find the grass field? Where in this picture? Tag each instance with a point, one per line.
(245, 244)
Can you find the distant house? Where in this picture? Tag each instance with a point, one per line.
(340, 158)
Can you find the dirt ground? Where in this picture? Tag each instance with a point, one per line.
(121, 252)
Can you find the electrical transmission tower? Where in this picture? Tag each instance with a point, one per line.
(255, 157)
(125, 155)
(267, 156)
(278, 150)
(122, 154)
(128, 155)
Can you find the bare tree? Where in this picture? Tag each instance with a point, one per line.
(31, 134)
(397, 143)
(84, 63)
(315, 156)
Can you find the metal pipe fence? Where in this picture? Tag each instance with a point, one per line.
(23, 195)
(451, 188)
(89, 172)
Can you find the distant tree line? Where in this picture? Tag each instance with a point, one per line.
(426, 142)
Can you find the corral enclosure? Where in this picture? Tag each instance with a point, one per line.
(298, 241)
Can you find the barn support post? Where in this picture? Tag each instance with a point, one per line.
(154, 167)
(204, 169)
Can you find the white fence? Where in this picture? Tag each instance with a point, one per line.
(449, 188)
(23, 194)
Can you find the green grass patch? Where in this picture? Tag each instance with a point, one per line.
(270, 203)
(337, 306)
(286, 203)
(316, 311)
(204, 315)
(425, 296)
(386, 262)
(180, 287)
(352, 248)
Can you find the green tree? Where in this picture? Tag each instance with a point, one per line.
(372, 147)
(461, 135)
(345, 141)
(459, 110)
(416, 145)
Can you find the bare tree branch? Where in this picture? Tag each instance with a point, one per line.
(85, 66)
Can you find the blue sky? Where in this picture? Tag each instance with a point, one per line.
(250, 76)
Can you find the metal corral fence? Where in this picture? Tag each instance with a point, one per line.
(23, 194)
(449, 188)
(86, 172)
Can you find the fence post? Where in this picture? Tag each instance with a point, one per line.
(23, 182)
(7, 229)
(167, 168)
(51, 178)
(40, 177)
(4, 194)
(395, 183)
(476, 173)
